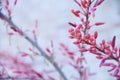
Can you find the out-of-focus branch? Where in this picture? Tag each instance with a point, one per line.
(17, 29)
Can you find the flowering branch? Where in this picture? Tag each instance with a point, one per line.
(77, 61)
(19, 31)
(86, 41)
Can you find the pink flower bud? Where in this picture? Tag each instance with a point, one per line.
(7, 2)
(70, 53)
(93, 50)
(17, 71)
(99, 23)
(98, 2)
(84, 3)
(48, 50)
(72, 33)
(93, 10)
(71, 37)
(83, 50)
(82, 19)
(95, 34)
(40, 75)
(87, 36)
(72, 24)
(15, 2)
(103, 61)
(99, 56)
(113, 42)
(78, 3)
(79, 59)
(76, 13)
(116, 72)
(10, 33)
(93, 42)
(113, 67)
(24, 54)
(71, 30)
(78, 36)
(51, 78)
(17, 30)
(77, 31)
(79, 26)
(103, 42)
(76, 42)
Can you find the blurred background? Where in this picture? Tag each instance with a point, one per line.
(52, 17)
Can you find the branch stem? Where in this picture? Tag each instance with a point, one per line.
(12, 25)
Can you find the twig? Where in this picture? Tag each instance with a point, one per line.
(15, 27)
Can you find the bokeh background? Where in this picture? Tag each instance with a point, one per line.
(53, 17)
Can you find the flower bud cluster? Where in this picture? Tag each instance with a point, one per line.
(106, 51)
